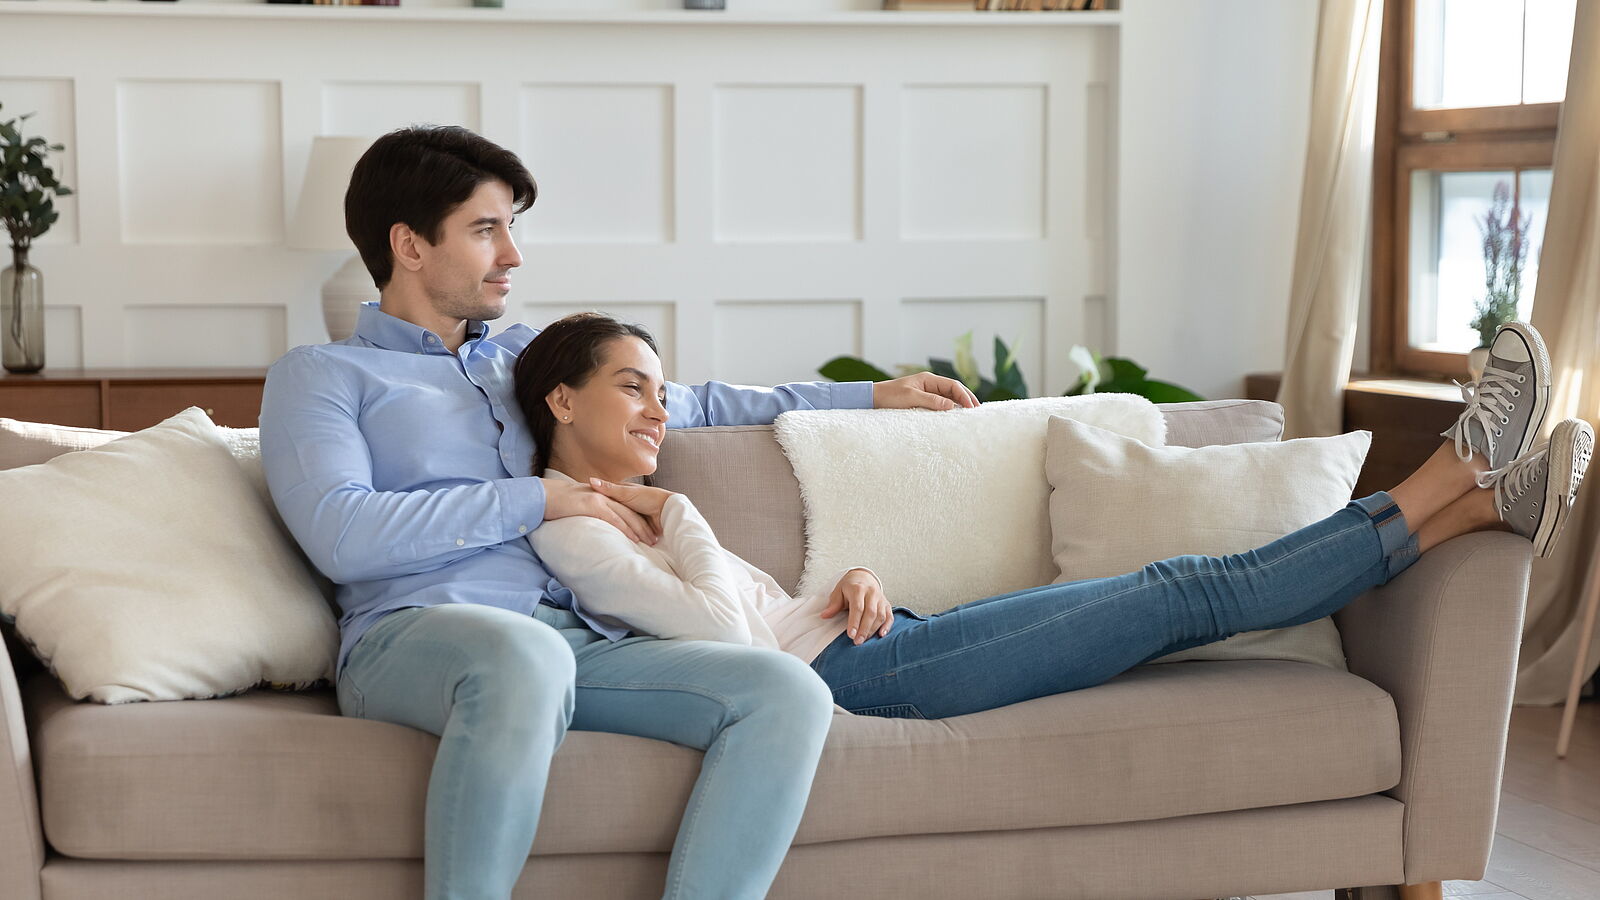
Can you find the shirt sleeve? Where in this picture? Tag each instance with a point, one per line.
(610, 577)
(319, 471)
(716, 403)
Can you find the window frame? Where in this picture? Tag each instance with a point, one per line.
(1407, 139)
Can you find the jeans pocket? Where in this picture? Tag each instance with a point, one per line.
(352, 703)
(892, 711)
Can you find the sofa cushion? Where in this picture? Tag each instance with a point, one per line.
(1153, 503)
(148, 569)
(283, 776)
(742, 483)
(944, 509)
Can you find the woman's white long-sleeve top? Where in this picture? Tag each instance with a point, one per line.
(686, 587)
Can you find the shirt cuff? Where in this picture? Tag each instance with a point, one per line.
(521, 506)
(851, 395)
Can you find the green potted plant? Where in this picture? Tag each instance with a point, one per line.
(1505, 248)
(1096, 374)
(27, 191)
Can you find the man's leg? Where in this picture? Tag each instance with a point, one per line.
(761, 716)
(497, 688)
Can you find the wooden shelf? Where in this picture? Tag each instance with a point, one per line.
(131, 399)
(476, 15)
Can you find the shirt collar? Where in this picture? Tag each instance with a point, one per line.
(380, 329)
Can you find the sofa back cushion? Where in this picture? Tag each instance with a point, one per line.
(742, 483)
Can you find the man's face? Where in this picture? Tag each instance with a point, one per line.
(467, 275)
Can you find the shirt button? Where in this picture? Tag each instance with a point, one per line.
(460, 542)
(522, 529)
(430, 338)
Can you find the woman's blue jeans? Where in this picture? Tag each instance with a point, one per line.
(501, 689)
(1063, 637)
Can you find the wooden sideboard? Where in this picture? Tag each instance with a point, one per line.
(131, 399)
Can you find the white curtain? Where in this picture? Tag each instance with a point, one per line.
(1335, 219)
(1566, 310)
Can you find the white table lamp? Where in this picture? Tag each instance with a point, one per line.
(319, 225)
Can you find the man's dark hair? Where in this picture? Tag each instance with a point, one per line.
(568, 351)
(418, 176)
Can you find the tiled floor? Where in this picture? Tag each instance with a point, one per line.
(1547, 837)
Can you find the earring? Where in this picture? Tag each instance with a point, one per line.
(566, 418)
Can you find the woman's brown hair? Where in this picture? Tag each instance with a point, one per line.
(568, 351)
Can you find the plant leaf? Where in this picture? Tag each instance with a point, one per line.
(966, 363)
(1166, 392)
(1007, 377)
(849, 368)
(943, 367)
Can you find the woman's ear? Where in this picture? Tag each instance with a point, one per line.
(560, 403)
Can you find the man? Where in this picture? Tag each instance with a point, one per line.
(399, 460)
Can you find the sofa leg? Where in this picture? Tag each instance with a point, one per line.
(1431, 890)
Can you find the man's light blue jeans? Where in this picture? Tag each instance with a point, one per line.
(501, 690)
(1064, 637)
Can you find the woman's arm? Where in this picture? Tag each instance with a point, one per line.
(610, 576)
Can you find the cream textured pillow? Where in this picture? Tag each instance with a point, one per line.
(149, 568)
(946, 507)
(1116, 505)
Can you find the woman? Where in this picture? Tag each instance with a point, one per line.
(592, 391)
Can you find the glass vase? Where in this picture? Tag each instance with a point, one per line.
(21, 315)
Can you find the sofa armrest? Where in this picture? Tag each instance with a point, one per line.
(21, 837)
(1443, 640)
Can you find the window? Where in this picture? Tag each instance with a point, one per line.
(1468, 98)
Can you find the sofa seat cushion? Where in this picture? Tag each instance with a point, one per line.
(268, 775)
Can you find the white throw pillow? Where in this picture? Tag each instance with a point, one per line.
(946, 507)
(150, 568)
(1117, 505)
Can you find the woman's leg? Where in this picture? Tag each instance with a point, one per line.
(1069, 636)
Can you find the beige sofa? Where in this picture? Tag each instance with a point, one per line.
(1179, 780)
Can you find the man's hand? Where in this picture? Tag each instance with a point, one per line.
(870, 612)
(563, 498)
(923, 390)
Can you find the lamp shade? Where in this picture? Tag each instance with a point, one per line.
(319, 220)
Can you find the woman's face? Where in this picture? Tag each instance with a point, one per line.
(618, 418)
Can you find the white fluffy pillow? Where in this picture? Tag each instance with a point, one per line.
(149, 568)
(1116, 505)
(946, 507)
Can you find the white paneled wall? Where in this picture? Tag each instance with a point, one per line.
(763, 197)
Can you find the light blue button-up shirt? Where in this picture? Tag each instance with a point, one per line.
(404, 470)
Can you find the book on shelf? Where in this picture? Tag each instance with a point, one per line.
(927, 5)
(1038, 5)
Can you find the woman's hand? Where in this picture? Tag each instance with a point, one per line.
(870, 612)
(563, 498)
(642, 499)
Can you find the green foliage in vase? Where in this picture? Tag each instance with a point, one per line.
(1120, 375)
(1504, 229)
(27, 185)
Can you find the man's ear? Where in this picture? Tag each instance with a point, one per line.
(403, 245)
(560, 402)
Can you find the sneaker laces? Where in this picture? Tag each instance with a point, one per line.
(1488, 401)
(1513, 479)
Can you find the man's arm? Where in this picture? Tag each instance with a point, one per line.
(715, 403)
(319, 470)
